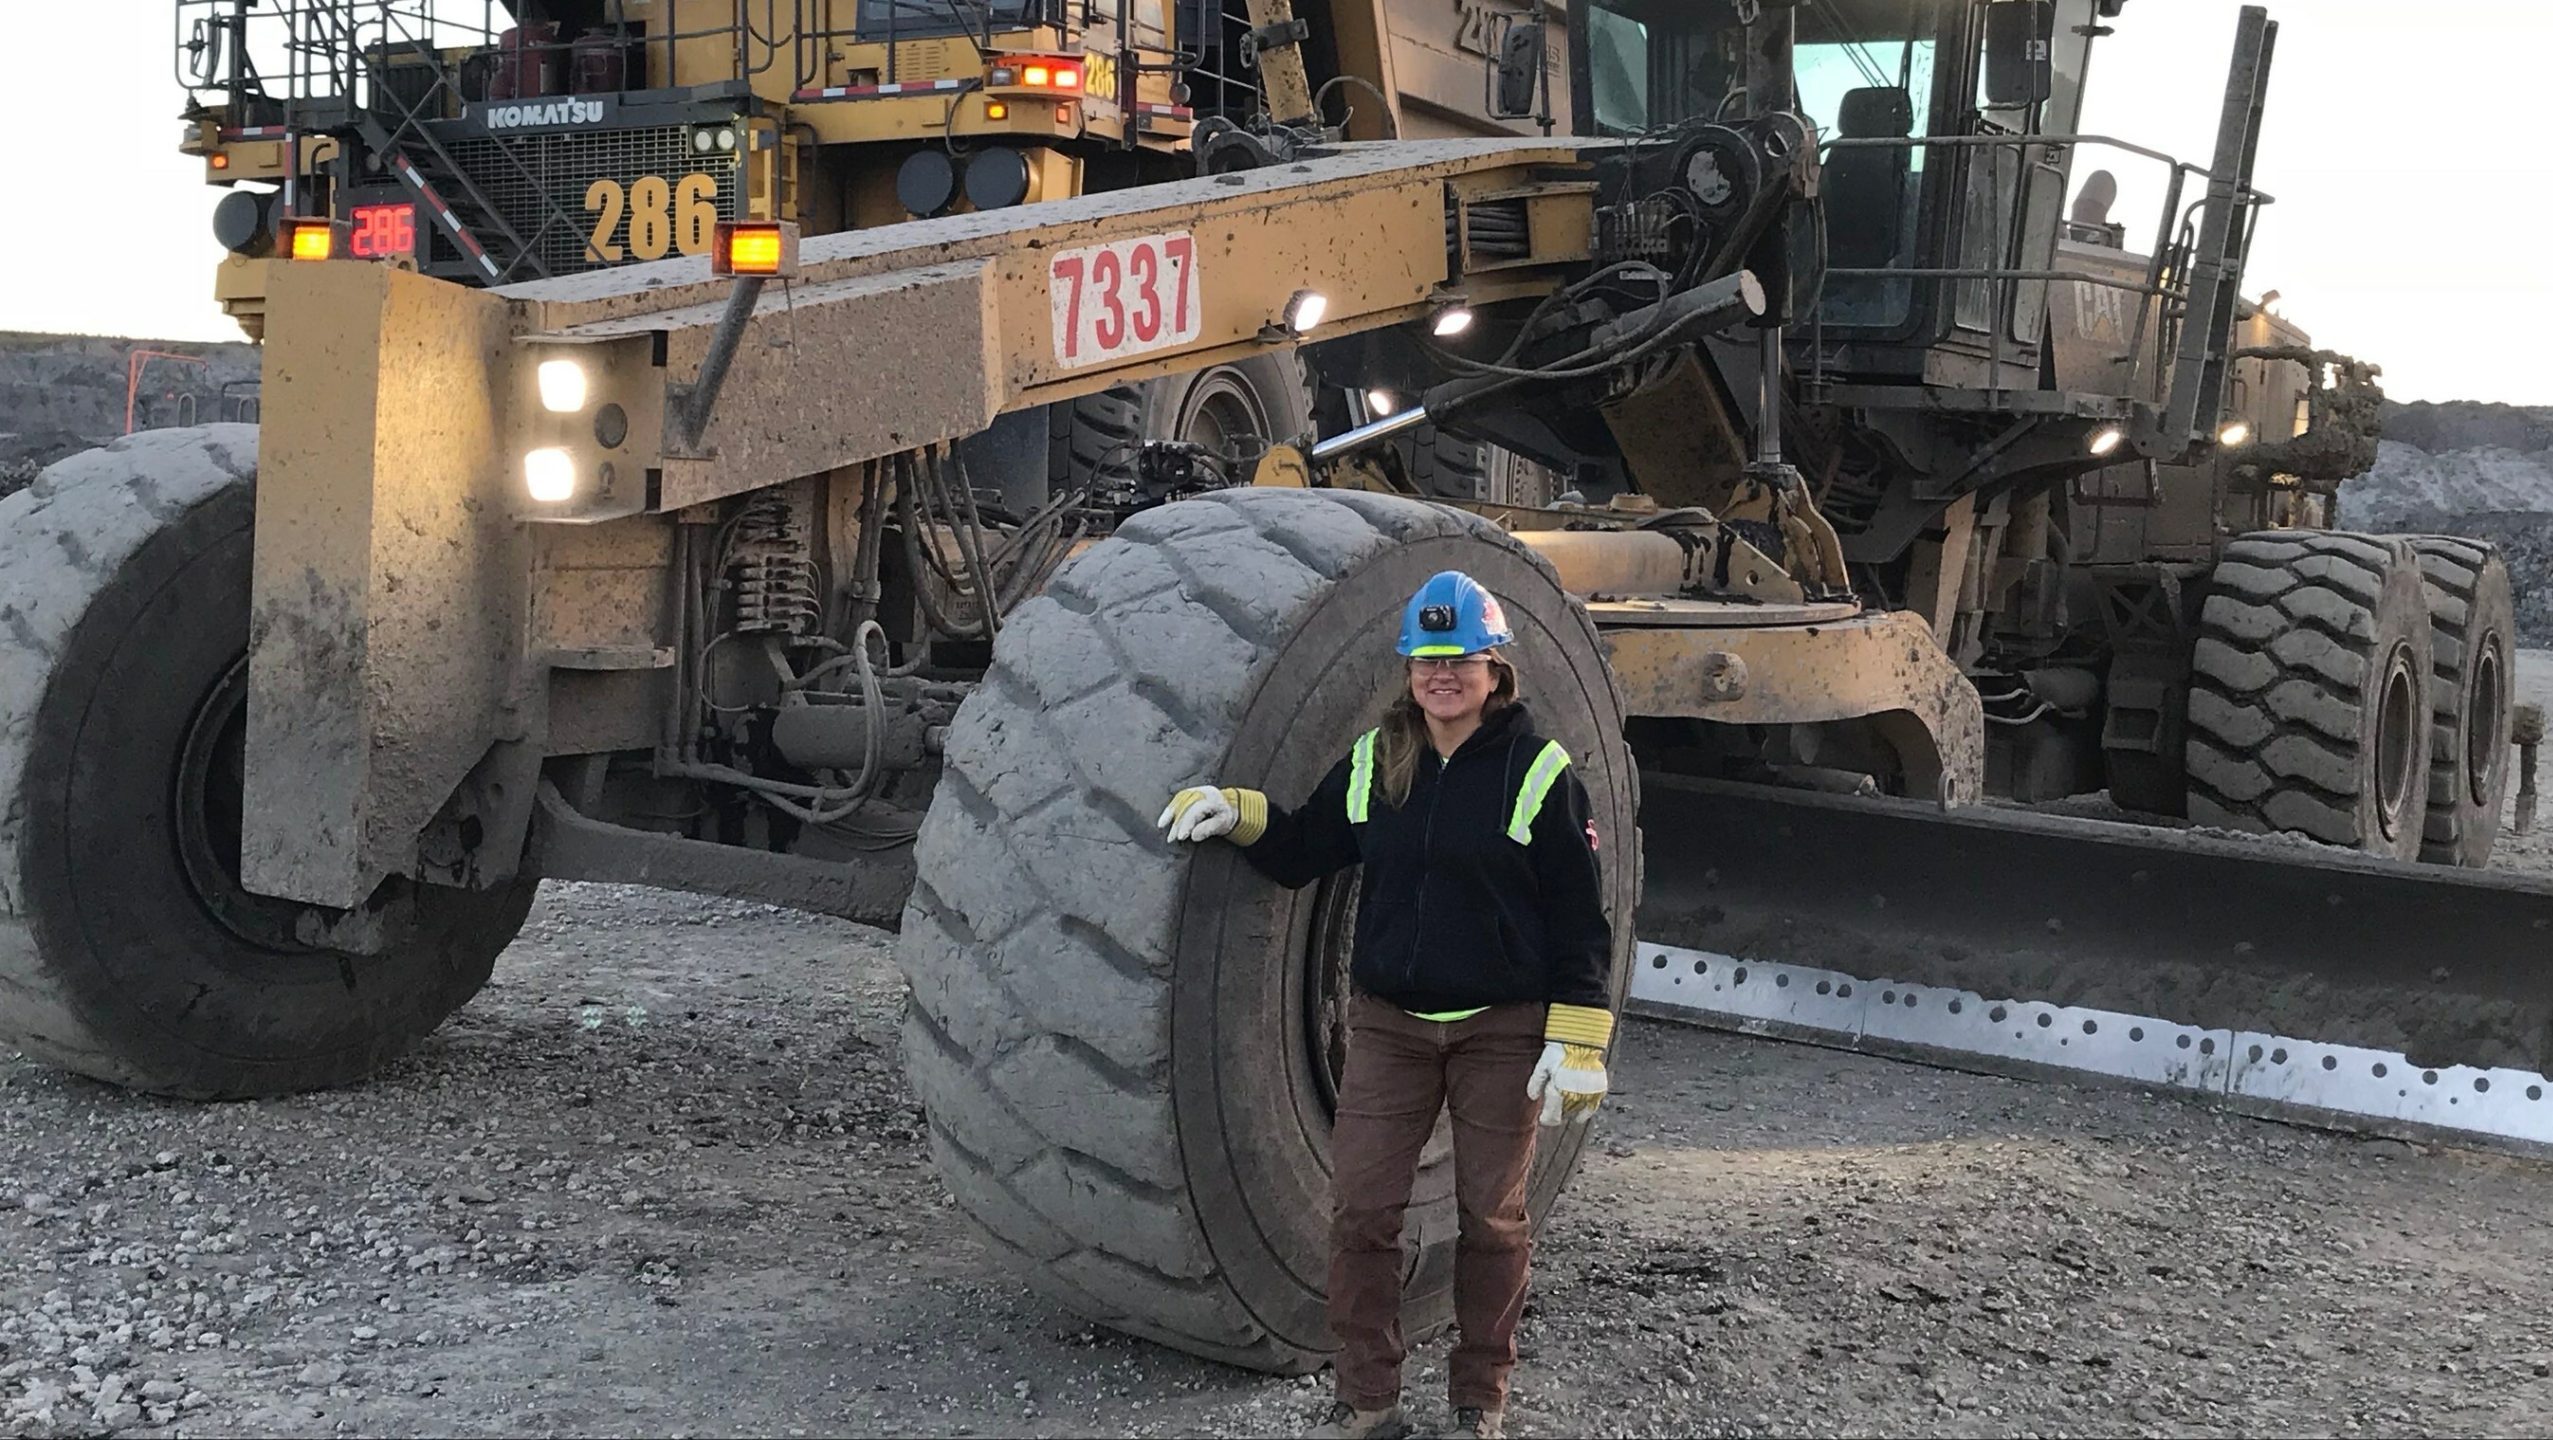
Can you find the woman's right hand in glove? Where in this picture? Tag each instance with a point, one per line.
(1202, 812)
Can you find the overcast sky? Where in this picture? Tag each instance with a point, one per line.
(2411, 227)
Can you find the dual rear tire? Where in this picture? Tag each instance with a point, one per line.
(2354, 689)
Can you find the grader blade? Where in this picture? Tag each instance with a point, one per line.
(2289, 979)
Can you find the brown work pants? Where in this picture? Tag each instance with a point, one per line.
(1401, 1071)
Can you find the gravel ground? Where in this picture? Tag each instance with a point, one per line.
(663, 1178)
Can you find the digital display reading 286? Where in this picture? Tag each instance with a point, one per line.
(382, 232)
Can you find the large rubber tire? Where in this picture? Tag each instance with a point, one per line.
(128, 951)
(1450, 467)
(1121, 1044)
(1260, 399)
(1447, 466)
(2473, 626)
(2309, 691)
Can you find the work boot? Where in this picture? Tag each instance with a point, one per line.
(1346, 1422)
(1473, 1423)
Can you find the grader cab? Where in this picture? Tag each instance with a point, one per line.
(1880, 480)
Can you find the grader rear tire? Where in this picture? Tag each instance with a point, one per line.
(128, 951)
(1123, 1046)
(1447, 466)
(2309, 692)
(1221, 407)
(2473, 623)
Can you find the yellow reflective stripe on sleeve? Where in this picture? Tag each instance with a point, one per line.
(1579, 1025)
(1537, 788)
(1360, 779)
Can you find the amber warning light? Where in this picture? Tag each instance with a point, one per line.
(1037, 73)
(310, 238)
(755, 249)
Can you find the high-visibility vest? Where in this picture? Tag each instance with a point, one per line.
(1539, 778)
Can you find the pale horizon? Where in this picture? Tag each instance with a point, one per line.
(2362, 259)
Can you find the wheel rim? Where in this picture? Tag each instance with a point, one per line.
(2483, 742)
(2397, 723)
(209, 789)
(1326, 953)
(1222, 409)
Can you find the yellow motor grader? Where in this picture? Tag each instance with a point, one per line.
(1891, 491)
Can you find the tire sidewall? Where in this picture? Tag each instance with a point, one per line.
(1274, 381)
(2492, 634)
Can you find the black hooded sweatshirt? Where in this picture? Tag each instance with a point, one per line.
(1454, 913)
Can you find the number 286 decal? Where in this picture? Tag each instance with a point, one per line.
(1123, 298)
(678, 216)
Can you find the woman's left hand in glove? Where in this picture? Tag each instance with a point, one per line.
(1569, 1080)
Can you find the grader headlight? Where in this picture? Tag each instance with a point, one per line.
(563, 386)
(549, 475)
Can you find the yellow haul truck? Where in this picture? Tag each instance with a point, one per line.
(489, 144)
(676, 573)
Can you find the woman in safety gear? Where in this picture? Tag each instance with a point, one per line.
(1481, 971)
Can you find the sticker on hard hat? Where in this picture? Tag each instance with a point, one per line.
(1492, 618)
(1123, 298)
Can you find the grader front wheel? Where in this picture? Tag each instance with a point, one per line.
(2309, 701)
(1118, 1042)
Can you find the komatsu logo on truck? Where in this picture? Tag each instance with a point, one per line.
(555, 112)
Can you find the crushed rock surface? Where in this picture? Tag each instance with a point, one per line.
(663, 1177)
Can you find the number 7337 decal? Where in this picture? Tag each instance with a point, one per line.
(1123, 298)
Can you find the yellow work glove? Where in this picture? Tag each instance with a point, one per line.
(1202, 812)
(1569, 1079)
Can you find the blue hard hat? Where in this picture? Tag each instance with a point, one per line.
(1452, 615)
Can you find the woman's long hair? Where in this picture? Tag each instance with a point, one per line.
(1404, 730)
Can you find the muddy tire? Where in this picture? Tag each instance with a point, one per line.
(2472, 627)
(2309, 692)
(1126, 1048)
(128, 950)
(1222, 406)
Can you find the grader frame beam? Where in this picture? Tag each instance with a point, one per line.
(400, 405)
(397, 606)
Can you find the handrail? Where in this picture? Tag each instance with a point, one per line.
(813, 40)
(317, 47)
(133, 365)
(2167, 261)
